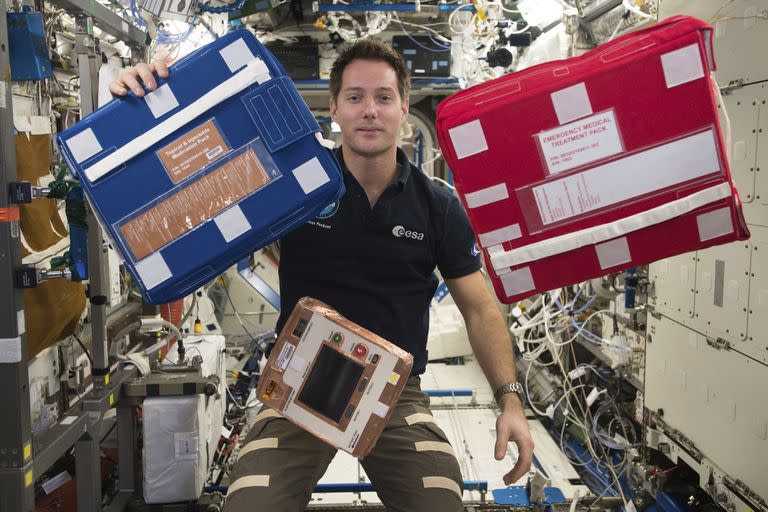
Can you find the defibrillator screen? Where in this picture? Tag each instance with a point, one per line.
(331, 383)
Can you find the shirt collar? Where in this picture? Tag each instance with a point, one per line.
(403, 167)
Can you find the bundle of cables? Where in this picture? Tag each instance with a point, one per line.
(544, 332)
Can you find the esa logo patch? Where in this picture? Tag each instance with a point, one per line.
(329, 211)
(475, 249)
(401, 232)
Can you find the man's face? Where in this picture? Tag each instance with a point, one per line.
(369, 109)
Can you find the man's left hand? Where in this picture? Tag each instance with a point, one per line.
(511, 425)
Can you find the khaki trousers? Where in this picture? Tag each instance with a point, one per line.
(412, 467)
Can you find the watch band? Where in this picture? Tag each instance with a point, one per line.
(510, 387)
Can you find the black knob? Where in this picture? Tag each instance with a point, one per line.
(500, 57)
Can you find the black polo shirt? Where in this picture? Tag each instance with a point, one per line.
(376, 266)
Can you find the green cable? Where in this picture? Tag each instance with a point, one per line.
(65, 260)
(58, 187)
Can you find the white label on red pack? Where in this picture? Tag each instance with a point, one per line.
(487, 195)
(571, 103)
(499, 236)
(714, 224)
(468, 139)
(517, 281)
(613, 253)
(580, 142)
(682, 66)
(495, 249)
(641, 173)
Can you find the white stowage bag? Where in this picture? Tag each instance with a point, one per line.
(181, 432)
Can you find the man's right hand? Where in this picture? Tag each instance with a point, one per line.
(132, 78)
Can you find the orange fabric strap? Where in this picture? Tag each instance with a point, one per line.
(9, 214)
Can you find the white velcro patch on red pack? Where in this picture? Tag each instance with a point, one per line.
(468, 139)
(518, 281)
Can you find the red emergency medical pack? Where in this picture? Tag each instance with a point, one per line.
(576, 168)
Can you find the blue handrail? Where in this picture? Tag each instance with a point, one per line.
(449, 392)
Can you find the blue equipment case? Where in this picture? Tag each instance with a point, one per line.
(223, 158)
(27, 45)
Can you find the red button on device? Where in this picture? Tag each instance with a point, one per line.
(360, 350)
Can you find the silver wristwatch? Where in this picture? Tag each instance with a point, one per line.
(510, 387)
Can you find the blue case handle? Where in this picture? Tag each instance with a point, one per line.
(279, 113)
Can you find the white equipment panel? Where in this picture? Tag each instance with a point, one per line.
(674, 284)
(715, 397)
(722, 290)
(756, 344)
(761, 165)
(743, 109)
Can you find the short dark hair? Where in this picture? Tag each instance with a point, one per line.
(371, 49)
